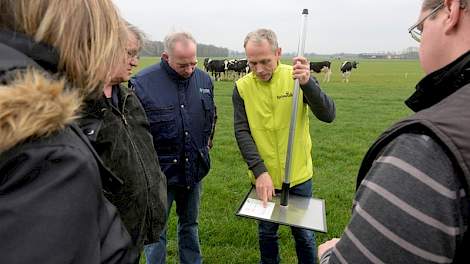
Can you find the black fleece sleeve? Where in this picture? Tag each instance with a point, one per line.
(321, 105)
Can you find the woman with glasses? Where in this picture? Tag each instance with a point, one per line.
(412, 203)
(116, 125)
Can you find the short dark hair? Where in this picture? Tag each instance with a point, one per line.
(431, 4)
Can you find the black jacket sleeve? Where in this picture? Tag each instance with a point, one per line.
(321, 105)
(53, 211)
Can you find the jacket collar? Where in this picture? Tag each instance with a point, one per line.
(44, 55)
(119, 96)
(438, 85)
(172, 73)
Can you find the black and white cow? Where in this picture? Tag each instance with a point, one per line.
(322, 66)
(346, 69)
(216, 67)
(239, 67)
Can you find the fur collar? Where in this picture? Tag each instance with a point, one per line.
(33, 105)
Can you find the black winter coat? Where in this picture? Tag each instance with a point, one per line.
(52, 208)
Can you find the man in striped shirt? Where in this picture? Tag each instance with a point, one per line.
(411, 204)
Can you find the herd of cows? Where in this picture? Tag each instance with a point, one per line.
(236, 68)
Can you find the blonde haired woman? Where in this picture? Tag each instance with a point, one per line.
(53, 54)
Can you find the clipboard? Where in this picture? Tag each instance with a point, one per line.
(302, 212)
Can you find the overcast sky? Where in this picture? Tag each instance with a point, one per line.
(333, 25)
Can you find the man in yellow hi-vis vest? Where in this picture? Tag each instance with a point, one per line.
(262, 102)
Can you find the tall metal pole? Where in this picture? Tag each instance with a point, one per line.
(293, 121)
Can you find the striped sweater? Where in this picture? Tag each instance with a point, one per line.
(410, 208)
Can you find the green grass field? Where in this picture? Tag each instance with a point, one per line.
(369, 103)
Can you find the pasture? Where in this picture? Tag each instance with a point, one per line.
(369, 103)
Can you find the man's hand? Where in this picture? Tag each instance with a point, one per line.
(265, 188)
(301, 70)
(325, 246)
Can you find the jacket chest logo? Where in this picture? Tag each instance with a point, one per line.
(285, 95)
(204, 91)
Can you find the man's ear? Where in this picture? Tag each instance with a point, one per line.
(454, 11)
(165, 56)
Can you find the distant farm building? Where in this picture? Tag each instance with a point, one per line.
(409, 53)
(380, 56)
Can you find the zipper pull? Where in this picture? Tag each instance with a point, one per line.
(124, 120)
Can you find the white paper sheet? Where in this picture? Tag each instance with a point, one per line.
(255, 208)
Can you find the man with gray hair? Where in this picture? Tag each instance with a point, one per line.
(262, 102)
(179, 101)
(412, 203)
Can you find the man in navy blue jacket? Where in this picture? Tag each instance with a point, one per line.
(179, 102)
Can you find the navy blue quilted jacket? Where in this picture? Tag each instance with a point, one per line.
(181, 113)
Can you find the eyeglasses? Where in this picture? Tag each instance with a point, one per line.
(416, 30)
(133, 54)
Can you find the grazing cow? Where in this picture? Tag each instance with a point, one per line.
(324, 67)
(239, 67)
(230, 67)
(216, 67)
(346, 69)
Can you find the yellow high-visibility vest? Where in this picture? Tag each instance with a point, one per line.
(268, 107)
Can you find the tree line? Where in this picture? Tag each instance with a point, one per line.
(155, 48)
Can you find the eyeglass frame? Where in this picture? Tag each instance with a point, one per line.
(415, 30)
(133, 54)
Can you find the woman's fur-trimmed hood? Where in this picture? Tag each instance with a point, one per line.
(33, 106)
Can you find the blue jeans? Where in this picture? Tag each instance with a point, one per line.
(304, 239)
(187, 209)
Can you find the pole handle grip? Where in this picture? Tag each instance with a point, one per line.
(285, 194)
